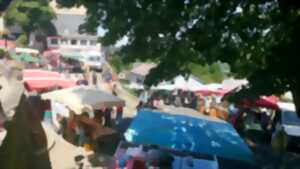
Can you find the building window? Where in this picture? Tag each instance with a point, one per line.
(73, 42)
(64, 41)
(83, 42)
(54, 41)
(93, 42)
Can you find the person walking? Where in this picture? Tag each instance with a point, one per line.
(94, 76)
(107, 117)
(119, 115)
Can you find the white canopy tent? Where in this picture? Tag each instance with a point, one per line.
(230, 84)
(212, 86)
(27, 50)
(180, 82)
(287, 106)
(136, 86)
(82, 98)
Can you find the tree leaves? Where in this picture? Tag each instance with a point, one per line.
(257, 38)
(31, 15)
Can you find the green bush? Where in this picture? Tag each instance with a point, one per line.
(116, 63)
(22, 40)
(2, 53)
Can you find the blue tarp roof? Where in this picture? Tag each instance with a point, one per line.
(189, 134)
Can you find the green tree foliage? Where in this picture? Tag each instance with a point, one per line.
(258, 38)
(118, 64)
(208, 73)
(30, 15)
(22, 39)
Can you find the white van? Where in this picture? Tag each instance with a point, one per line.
(93, 59)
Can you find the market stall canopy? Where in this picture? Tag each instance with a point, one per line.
(180, 82)
(268, 102)
(81, 98)
(264, 102)
(188, 132)
(7, 44)
(243, 97)
(27, 50)
(209, 92)
(26, 57)
(230, 84)
(287, 106)
(37, 80)
(213, 86)
(38, 73)
(211, 89)
(68, 54)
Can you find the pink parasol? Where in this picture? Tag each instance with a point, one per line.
(268, 102)
(265, 102)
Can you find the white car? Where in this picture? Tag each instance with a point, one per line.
(288, 123)
(93, 59)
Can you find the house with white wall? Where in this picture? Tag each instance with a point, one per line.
(66, 35)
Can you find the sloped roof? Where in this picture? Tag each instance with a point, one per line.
(68, 25)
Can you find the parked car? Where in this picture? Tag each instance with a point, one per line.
(289, 124)
(94, 60)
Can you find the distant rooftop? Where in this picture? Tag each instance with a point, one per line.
(67, 25)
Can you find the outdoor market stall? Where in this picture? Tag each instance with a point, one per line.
(180, 82)
(188, 131)
(39, 80)
(87, 107)
(27, 51)
(26, 57)
(7, 44)
(84, 98)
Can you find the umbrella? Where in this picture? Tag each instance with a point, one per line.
(268, 102)
(37, 80)
(265, 102)
(81, 97)
(188, 131)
